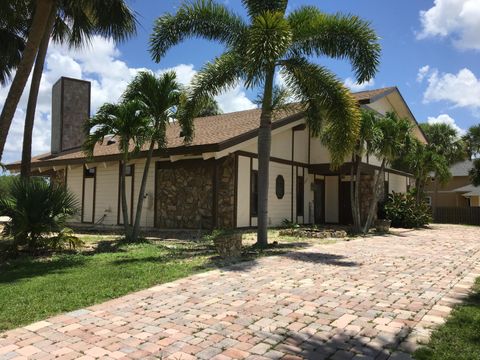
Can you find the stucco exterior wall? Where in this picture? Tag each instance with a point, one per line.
(331, 199)
(397, 183)
(75, 185)
(243, 192)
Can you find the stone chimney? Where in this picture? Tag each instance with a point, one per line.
(70, 110)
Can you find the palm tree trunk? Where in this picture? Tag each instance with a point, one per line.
(264, 146)
(35, 35)
(33, 96)
(373, 203)
(357, 218)
(141, 194)
(123, 190)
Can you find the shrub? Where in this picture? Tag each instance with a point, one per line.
(403, 211)
(38, 212)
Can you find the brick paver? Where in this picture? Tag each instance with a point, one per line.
(373, 298)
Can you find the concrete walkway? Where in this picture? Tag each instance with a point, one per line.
(364, 299)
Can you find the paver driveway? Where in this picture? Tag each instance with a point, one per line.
(357, 299)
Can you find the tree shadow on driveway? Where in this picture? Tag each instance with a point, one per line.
(342, 345)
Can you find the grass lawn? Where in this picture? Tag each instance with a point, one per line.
(459, 337)
(32, 289)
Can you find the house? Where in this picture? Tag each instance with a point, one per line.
(212, 182)
(458, 192)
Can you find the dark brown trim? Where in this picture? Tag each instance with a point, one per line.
(296, 191)
(309, 146)
(62, 96)
(66, 176)
(94, 195)
(83, 193)
(155, 190)
(215, 193)
(250, 193)
(235, 198)
(119, 192)
(272, 159)
(179, 150)
(300, 127)
(132, 193)
(292, 171)
(82, 219)
(344, 169)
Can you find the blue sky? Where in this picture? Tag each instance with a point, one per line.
(398, 23)
(437, 36)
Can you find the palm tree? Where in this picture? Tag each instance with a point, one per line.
(472, 140)
(445, 141)
(474, 173)
(14, 16)
(42, 9)
(36, 209)
(421, 161)
(158, 98)
(275, 42)
(129, 126)
(369, 134)
(74, 25)
(394, 136)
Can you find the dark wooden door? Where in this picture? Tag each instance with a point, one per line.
(319, 201)
(345, 203)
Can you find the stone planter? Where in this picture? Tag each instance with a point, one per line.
(383, 225)
(229, 245)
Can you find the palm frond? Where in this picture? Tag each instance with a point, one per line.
(255, 7)
(214, 78)
(337, 36)
(202, 19)
(327, 104)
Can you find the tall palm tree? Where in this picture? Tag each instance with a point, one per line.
(274, 42)
(129, 127)
(445, 141)
(420, 160)
(39, 21)
(74, 25)
(472, 140)
(14, 23)
(394, 137)
(369, 135)
(158, 98)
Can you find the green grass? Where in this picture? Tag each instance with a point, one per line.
(459, 337)
(34, 288)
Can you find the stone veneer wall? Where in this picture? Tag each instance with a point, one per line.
(226, 193)
(366, 194)
(185, 194)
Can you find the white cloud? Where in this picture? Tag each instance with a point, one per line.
(461, 89)
(101, 64)
(446, 119)
(422, 72)
(355, 86)
(457, 19)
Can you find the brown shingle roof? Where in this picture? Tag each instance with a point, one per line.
(212, 133)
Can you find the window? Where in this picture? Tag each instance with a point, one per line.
(300, 195)
(428, 200)
(90, 173)
(254, 193)
(280, 186)
(129, 170)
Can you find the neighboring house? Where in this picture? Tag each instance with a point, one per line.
(458, 192)
(212, 182)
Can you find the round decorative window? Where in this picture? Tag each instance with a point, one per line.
(280, 186)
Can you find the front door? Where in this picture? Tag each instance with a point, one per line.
(346, 217)
(319, 201)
